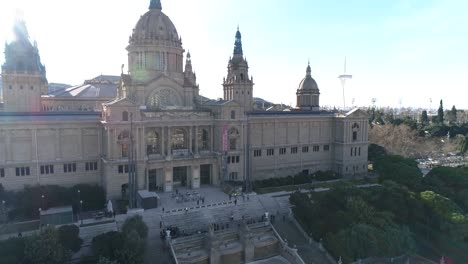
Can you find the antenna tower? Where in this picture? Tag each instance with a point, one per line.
(343, 79)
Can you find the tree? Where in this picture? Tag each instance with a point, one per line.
(45, 248)
(440, 113)
(449, 182)
(134, 249)
(424, 118)
(361, 241)
(135, 223)
(375, 152)
(12, 250)
(69, 238)
(108, 244)
(452, 115)
(400, 170)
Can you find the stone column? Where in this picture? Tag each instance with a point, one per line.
(99, 143)
(211, 138)
(109, 143)
(169, 145)
(58, 152)
(80, 143)
(168, 171)
(163, 141)
(9, 154)
(190, 139)
(196, 142)
(215, 173)
(34, 150)
(195, 176)
(114, 145)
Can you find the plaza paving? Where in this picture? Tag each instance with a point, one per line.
(218, 208)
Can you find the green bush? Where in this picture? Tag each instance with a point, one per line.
(127, 246)
(399, 169)
(24, 204)
(69, 237)
(135, 223)
(108, 245)
(300, 178)
(12, 250)
(45, 248)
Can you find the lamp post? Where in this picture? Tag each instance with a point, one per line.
(81, 208)
(42, 201)
(40, 224)
(79, 199)
(3, 211)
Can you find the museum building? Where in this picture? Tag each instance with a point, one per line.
(152, 128)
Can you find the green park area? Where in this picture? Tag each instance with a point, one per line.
(406, 214)
(56, 245)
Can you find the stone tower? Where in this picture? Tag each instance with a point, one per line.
(308, 93)
(238, 86)
(190, 78)
(23, 75)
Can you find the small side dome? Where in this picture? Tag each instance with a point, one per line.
(308, 83)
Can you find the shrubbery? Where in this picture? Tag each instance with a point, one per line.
(126, 247)
(47, 247)
(300, 178)
(69, 237)
(24, 204)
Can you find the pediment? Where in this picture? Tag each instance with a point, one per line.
(163, 80)
(356, 113)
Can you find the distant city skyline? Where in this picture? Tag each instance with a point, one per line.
(399, 52)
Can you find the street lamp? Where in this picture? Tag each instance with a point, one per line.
(40, 224)
(81, 208)
(42, 201)
(3, 211)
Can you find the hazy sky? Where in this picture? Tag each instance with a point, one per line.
(397, 50)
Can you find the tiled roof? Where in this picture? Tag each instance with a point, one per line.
(102, 86)
(48, 116)
(216, 102)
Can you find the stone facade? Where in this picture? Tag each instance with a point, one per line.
(153, 127)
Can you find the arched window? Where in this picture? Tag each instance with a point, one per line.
(152, 143)
(178, 139)
(242, 76)
(233, 135)
(124, 116)
(355, 129)
(233, 114)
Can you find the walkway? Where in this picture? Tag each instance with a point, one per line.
(310, 253)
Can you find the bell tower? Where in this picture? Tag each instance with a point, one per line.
(23, 75)
(238, 86)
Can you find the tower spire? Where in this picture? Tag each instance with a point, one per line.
(188, 63)
(238, 43)
(308, 71)
(155, 4)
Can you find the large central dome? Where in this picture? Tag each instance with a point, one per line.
(155, 47)
(155, 25)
